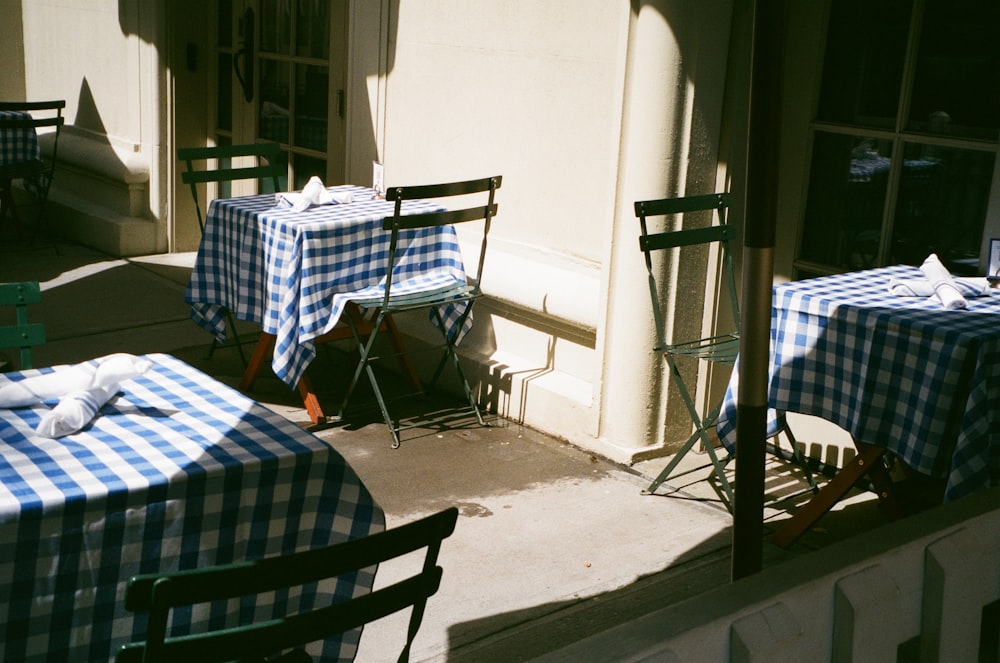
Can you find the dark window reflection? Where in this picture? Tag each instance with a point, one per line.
(941, 207)
(306, 167)
(313, 39)
(274, 99)
(846, 200)
(956, 89)
(224, 99)
(311, 103)
(863, 66)
(275, 27)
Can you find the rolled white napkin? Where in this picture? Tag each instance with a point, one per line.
(76, 408)
(968, 286)
(74, 411)
(944, 286)
(313, 193)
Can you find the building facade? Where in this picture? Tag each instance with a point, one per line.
(584, 106)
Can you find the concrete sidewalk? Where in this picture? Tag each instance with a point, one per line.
(553, 544)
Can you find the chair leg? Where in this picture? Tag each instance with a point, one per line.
(702, 425)
(453, 354)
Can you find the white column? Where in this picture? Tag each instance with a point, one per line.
(667, 140)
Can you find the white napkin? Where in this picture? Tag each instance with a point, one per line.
(82, 390)
(76, 408)
(968, 286)
(314, 193)
(944, 286)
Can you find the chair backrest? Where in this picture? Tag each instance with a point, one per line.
(160, 593)
(22, 334)
(483, 212)
(720, 234)
(266, 158)
(37, 115)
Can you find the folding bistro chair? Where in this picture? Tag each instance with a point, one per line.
(397, 294)
(267, 167)
(20, 122)
(719, 349)
(21, 335)
(286, 634)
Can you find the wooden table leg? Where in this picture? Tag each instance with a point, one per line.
(261, 352)
(868, 457)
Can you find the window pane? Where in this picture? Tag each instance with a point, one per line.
(225, 36)
(313, 29)
(275, 27)
(311, 102)
(956, 89)
(273, 108)
(224, 98)
(265, 185)
(846, 199)
(306, 167)
(941, 207)
(863, 65)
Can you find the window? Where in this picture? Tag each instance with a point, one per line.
(905, 135)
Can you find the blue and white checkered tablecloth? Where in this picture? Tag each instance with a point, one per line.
(294, 272)
(178, 471)
(18, 145)
(901, 373)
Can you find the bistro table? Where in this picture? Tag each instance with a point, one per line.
(294, 272)
(177, 471)
(17, 146)
(900, 374)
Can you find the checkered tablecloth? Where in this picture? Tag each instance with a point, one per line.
(178, 471)
(18, 145)
(901, 373)
(293, 272)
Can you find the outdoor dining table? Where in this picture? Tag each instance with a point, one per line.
(17, 146)
(175, 472)
(902, 375)
(293, 272)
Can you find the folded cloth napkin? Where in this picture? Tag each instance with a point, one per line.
(82, 390)
(313, 193)
(944, 286)
(78, 407)
(968, 286)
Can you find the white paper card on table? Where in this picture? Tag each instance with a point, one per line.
(378, 179)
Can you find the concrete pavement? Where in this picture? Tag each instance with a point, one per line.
(553, 544)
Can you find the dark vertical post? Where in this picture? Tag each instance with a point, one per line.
(758, 273)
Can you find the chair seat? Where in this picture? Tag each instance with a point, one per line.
(416, 293)
(721, 349)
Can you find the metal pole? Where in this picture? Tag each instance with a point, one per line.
(758, 274)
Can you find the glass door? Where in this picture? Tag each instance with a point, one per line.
(279, 76)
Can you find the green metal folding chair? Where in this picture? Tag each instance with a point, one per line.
(266, 167)
(388, 302)
(21, 335)
(35, 174)
(722, 348)
(284, 636)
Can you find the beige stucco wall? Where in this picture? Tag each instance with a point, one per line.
(101, 57)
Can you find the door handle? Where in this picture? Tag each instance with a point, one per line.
(246, 53)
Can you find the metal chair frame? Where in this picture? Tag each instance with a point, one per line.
(22, 335)
(719, 349)
(160, 593)
(38, 115)
(388, 303)
(267, 166)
